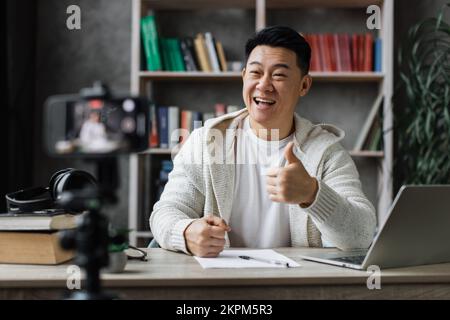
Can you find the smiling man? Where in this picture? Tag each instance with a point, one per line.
(264, 177)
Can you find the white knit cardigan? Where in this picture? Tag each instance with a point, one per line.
(202, 182)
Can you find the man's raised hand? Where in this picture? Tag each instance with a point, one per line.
(292, 183)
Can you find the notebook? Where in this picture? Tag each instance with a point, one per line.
(53, 220)
(230, 258)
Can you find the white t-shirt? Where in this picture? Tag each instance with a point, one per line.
(256, 221)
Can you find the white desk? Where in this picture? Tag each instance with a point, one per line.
(170, 275)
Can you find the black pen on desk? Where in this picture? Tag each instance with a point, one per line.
(271, 261)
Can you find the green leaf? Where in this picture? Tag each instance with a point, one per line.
(423, 124)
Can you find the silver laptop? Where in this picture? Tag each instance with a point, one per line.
(416, 232)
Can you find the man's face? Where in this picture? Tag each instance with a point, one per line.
(272, 85)
(94, 117)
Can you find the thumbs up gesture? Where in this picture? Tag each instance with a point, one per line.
(292, 183)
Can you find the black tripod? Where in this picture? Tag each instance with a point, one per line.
(91, 238)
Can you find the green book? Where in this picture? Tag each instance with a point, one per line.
(150, 43)
(169, 55)
(173, 61)
(167, 61)
(178, 55)
(174, 54)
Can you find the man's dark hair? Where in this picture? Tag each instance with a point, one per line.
(285, 37)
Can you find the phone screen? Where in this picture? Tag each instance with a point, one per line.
(96, 126)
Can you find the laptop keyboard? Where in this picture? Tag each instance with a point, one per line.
(352, 259)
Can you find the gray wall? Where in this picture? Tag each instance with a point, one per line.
(67, 61)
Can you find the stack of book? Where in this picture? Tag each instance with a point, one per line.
(170, 125)
(200, 53)
(34, 238)
(344, 52)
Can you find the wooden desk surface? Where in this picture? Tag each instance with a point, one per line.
(175, 275)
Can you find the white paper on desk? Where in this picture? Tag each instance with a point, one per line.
(230, 259)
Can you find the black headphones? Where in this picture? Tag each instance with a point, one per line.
(40, 198)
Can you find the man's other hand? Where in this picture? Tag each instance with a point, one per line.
(205, 237)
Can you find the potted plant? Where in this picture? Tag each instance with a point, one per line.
(117, 255)
(423, 123)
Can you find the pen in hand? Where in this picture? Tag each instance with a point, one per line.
(271, 261)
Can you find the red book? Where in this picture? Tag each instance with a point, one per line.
(318, 62)
(185, 125)
(360, 52)
(220, 109)
(332, 52)
(337, 52)
(324, 53)
(346, 49)
(355, 52)
(368, 52)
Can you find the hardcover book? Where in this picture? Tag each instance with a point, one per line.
(26, 247)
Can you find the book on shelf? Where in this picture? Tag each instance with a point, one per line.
(150, 43)
(374, 138)
(344, 52)
(186, 124)
(377, 55)
(315, 58)
(213, 56)
(197, 119)
(336, 52)
(32, 247)
(175, 47)
(368, 52)
(202, 53)
(221, 54)
(345, 49)
(173, 125)
(354, 51)
(164, 132)
(55, 220)
(220, 109)
(371, 122)
(172, 54)
(163, 121)
(332, 52)
(323, 53)
(189, 58)
(154, 136)
(375, 141)
(208, 115)
(167, 63)
(232, 108)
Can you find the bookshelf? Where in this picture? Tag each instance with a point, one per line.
(260, 13)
